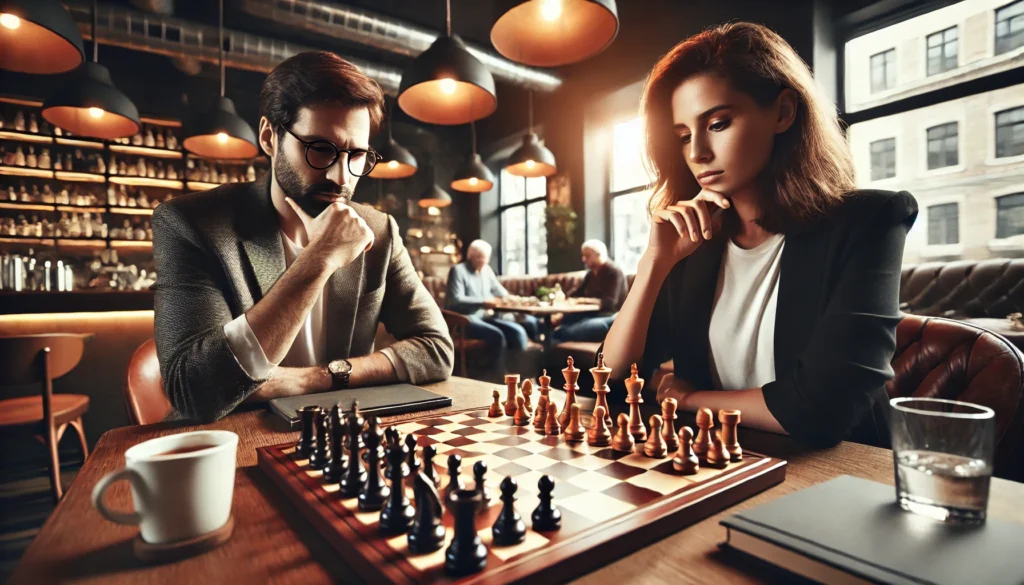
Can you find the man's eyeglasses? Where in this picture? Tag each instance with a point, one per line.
(322, 154)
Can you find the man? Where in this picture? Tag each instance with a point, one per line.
(276, 288)
(472, 288)
(603, 280)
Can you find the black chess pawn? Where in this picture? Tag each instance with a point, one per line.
(428, 465)
(355, 475)
(373, 425)
(412, 459)
(337, 461)
(374, 491)
(480, 486)
(427, 532)
(397, 514)
(355, 418)
(466, 554)
(454, 481)
(307, 415)
(509, 528)
(546, 516)
(318, 458)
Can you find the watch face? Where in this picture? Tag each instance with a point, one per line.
(340, 367)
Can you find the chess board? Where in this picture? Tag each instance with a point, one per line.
(612, 503)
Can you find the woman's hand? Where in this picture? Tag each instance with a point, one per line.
(682, 227)
(673, 387)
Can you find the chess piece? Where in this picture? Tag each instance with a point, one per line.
(374, 491)
(355, 476)
(392, 437)
(522, 416)
(512, 384)
(551, 426)
(427, 532)
(318, 458)
(454, 481)
(541, 415)
(545, 384)
(355, 419)
(480, 484)
(574, 432)
(495, 410)
(397, 514)
(412, 461)
(634, 384)
(730, 419)
(668, 416)
(527, 390)
(546, 516)
(509, 528)
(466, 554)
(336, 462)
(304, 447)
(598, 434)
(655, 444)
(716, 456)
(601, 373)
(705, 422)
(428, 465)
(686, 461)
(623, 441)
(571, 375)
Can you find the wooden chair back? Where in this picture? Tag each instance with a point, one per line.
(144, 395)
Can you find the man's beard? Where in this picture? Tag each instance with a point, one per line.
(303, 194)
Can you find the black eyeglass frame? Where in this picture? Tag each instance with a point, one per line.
(374, 157)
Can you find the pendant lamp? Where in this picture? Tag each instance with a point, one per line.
(446, 84)
(435, 197)
(473, 176)
(88, 104)
(38, 36)
(550, 33)
(396, 162)
(532, 159)
(220, 133)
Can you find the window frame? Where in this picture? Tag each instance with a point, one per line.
(956, 147)
(997, 200)
(503, 207)
(612, 195)
(995, 28)
(995, 132)
(885, 70)
(944, 66)
(955, 205)
(871, 158)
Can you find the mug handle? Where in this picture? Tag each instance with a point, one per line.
(101, 488)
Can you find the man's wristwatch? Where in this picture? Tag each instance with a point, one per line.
(340, 371)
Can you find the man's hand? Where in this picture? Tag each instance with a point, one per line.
(338, 235)
(492, 302)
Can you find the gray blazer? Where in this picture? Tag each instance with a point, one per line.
(218, 253)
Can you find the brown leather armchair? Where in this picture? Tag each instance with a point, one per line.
(943, 358)
(144, 396)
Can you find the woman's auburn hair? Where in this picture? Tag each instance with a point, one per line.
(811, 168)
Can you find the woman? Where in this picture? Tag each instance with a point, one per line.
(766, 273)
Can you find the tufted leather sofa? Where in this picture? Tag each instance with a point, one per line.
(943, 358)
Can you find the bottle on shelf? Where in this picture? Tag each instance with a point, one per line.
(122, 169)
(19, 157)
(11, 195)
(172, 141)
(19, 121)
(33, 124)
(23, 195)
(58, 164)
(7, 156)
(149, 140)
(68, 164)
(143, 201)
(122, 197)
(86, 225)
(101, 167)
(112, 165)
(160, 143)
(47, 196)
(250, 173)
(137, 139)
(139, 232)
(44, 159)
(30, 160)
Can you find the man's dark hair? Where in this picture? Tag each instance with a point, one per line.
(318, 77)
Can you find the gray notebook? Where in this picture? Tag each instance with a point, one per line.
(376, 400)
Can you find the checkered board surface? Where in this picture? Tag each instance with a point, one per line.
(612, 503)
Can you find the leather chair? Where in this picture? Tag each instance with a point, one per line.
(943, 358)
(29, 359)
(465, 348)
(144, 397)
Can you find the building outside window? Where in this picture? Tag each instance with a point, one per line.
(1010, 215)
(943, 224)
(943, 147)
(883, 159)
(1010, 27)
(1010, 132)
(630, 192)
(942, 51)
(524, 236)
(883, 70)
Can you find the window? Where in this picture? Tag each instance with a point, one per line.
(943, 224)
(524, 235)
(883, 159)
(1010, 132)
(1010, 215)
(630, 186)
(883, 70)
(1010, 27)
(942, 146)
(942, 51)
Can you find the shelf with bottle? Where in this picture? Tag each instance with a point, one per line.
(48, 270)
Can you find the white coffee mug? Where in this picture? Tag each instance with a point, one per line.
(182, 485)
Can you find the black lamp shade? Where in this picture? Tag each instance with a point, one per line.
(396, 162)
(88, 104)
(435, 197)
(447, 85)
(38, 36)
(532, 159)
(220, 133)
(473, 177)
(546, 33)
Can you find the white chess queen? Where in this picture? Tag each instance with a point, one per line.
(766, 272)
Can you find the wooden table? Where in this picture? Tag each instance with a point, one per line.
(545, 312)
(272, 543)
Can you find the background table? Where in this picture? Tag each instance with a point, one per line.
(545, 312)
(273, 543)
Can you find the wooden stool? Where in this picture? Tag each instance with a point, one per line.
(28, 359)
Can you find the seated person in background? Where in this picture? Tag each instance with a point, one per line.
(605, 281)
(275, 288)
(769, 280)
(472, 288)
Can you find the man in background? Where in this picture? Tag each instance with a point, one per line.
(604, 281)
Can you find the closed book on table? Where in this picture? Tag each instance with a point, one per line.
(851, 531)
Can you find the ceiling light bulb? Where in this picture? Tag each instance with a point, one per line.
(392, 164)
(10, 21)
(96, 112)
(529, 164)
(473, 181)
(448, 86)
(551, 9)
(222, 137)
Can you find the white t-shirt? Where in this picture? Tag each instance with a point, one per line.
(742, 331)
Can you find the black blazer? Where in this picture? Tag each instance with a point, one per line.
(835, 324)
